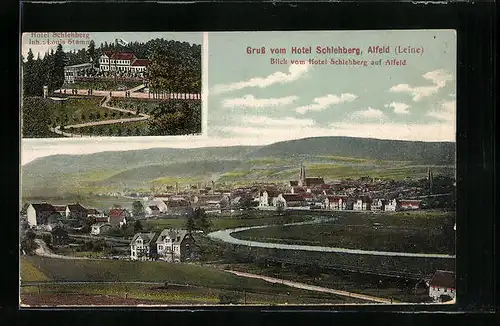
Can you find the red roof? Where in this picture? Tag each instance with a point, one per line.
(117, 212)
(443, 279)
(140, 62)
(292, 197)
(120, 55)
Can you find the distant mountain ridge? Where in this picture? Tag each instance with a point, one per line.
(51, 173)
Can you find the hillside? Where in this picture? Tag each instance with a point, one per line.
(371, 149)
(328, 157)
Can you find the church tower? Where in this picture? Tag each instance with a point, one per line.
(302, 177)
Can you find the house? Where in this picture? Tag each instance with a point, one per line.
(61, 209)
(442, 283)
(334, 202)
(70, 72)
(391, 206)
(287, 201)
(76, 211)
(409, 204)
(362, 204)
(142, 246)
(122, 61)
(377, 205)
(118, 217)
(177, 206)
(94, 213)
(152, 210)
(100, 228)
(267, 197)
(59, 236)
(175, 245)
(38, 214)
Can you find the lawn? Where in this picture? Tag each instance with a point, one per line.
(175, 295)
(420, 233)
(219, 223)
(30, 273)
(134, 128)
(187, 283)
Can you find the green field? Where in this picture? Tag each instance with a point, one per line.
(219, 223)
(421, 232)
(195, 284)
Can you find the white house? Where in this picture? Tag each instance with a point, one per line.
(442, 283)
(122, 61)
(152, 210)
(377, 205)
(358, 205)
(334, 203)
(142, 246)
(174, 245)
(99, 228)
(39, 213)
(391, 205)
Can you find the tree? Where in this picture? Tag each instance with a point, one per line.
(138, 226)
(137, 208)
(190, 225)
(57, 68)
(91, 51)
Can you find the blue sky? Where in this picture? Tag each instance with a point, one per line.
(250, 101)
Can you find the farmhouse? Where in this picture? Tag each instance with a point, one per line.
(335, 202)
(287, 201)
(442, 283)
(39, 213)
(177, 206)
(142, 246)
(122, 61)
(175, 245)
(76, 211)
(118, 217)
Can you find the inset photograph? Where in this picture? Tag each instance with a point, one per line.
(111, 84)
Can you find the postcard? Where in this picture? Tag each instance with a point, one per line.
(258, 168)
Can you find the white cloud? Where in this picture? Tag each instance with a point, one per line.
(285, 122)
(252, 102)
(321, 103)
(399, 108)
(369, 113)
(445, 112)
(438, 77)
(294, 73)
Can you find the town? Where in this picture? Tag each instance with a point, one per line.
(174, 226)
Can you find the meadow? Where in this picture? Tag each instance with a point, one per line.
(187, 283)
(420, 232)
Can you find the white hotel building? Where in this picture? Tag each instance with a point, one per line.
(122, 61)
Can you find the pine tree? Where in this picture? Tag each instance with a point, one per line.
(91, 51)
(28, 75)
(190, 226)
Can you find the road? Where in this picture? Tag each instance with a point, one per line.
(226, 236)
(314, 287)
(104, 104)
(44, 251)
